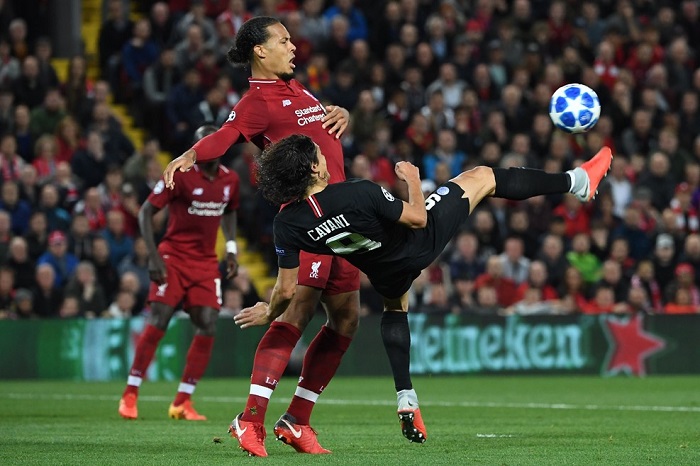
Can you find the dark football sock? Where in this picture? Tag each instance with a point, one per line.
(320, 363)
(195, 365)
(522, 183)
(271, 358)
(397, 343)
(143, 355)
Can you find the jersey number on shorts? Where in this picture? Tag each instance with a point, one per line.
(347, 242)
(431, 200)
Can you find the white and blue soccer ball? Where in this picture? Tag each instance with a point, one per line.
(574, 108)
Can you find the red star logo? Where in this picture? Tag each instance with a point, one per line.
(630, 345)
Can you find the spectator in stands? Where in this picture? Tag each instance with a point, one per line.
(37, 235)
(120, 245)
(644, 279)
(685, 280)
(90, 163)
(158, 80)
(357, 24)
(196, 16)
(68, 139)
(58, 257)
(576, 217)
(137, 262)
(19, 209)
(45, 150)
(180, 104)
(81, 238)
(28, 88)
(446, 152)
(129, 283)
(212, 109)
(9, 65)
(582, 259)
(115, 31)
(515, 265)
(505, 287)
(22, 133)
(5, 235)
(138, 53)
(117, 146)
(17, 32)
(122, 307)
(162, 23)
(87, 290)
(682, 303)
(44, 54)
(107, 275)
(663, 260)
(7, 292)
(47, 297)
(19, 261)
(57, 218)
(11, 163)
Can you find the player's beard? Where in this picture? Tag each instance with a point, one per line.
(286, 77)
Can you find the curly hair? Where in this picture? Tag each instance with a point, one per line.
(283, 169)
(253, 32)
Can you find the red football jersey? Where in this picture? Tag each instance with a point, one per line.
(196, 204)
(273, 109)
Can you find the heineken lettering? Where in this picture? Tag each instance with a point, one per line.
(513, 346)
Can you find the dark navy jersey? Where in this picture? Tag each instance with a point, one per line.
(357, 220)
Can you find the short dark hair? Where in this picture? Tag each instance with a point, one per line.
(204, 131)
(284, 169)
(253, 32)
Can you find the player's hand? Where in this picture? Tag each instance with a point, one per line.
(156, 269)
(182, 163)
(253, 316)
(336, 120)
(231, 265)
(406, 170)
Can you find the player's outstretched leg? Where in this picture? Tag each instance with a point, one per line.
(204, 318)
(250, 436)
(523, 183)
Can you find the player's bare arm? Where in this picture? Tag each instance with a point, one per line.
(414, 214)
(182, 163)
(282, 294)
(156, 266)
(228, 227)
(336, 120)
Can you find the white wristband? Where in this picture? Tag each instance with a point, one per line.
(231, 247)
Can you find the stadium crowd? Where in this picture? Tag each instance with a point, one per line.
(447, 85)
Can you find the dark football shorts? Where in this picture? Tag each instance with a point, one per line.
(447, 212)
(332, 274)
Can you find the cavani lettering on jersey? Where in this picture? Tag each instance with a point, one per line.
(206, 209)
(325, 228)
(314, 112)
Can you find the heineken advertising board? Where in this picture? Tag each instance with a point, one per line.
(102, 349)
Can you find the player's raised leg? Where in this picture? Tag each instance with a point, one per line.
(146, 347)
(204, 319)
(396, 337)
(523, 183)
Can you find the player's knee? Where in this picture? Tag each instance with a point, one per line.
(344, 319)
(204, 319)
(160, 316)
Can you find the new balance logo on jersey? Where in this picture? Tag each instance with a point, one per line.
(286, 103)
(197, 191)
(314, 269)
(161, 289)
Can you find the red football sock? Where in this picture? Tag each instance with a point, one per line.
(271, 359)
(143, 355)
(196, 364)
(320, 363)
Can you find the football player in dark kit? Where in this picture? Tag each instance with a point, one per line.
(388, 239)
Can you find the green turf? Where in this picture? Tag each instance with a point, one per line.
(470, 420)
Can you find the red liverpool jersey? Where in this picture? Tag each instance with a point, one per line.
(273, 109)
(195, 208)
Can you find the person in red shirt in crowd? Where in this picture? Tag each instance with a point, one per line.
(235, 15)
(276, 106)
(605, 66)
(184, 267)
(682, 303)
(683, 209)
(575, 215)
(537, 278)
(506, 289)
(685, 279)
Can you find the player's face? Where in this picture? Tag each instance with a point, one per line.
(278, 52)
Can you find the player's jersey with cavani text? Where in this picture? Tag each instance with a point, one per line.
(196, 205)
(355, 220)
(273, 109)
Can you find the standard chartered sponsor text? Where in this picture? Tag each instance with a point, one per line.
(314, 112)
(515, 346)
(206, 209)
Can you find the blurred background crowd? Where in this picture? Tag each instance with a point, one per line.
(447, 85)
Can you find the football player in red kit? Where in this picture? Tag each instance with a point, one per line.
(276, 106)
(184, 268)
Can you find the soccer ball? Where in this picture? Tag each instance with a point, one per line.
(574, 108)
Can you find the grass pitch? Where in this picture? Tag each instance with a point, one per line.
(470, 420)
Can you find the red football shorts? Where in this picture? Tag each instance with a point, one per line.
(196, 285)
(332, 274)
